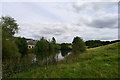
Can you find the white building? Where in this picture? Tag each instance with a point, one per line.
(31, 43)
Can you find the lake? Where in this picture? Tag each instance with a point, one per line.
(45, 57)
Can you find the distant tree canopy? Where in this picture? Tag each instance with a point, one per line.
(22, 45)
(78, 45)
(93, 43)
(9, 28)
(97, 43)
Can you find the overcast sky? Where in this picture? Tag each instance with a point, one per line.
(64, 20)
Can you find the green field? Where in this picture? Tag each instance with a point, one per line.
(100, 62)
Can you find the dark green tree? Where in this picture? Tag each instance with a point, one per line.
(65, 46)
(9, 27)
(64, 52)
(53, 40)
(93, 43)
(22, 45)
(9, 49)
(57, 46)
(78, 45)
(51, 46)
(42, 45)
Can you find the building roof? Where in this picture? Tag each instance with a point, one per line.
(32, 42)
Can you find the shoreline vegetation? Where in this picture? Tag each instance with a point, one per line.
(88, 59)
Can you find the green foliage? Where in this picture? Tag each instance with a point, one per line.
(9, 26)
(42, 45)
(9, 49)
(64, 52)
(51, 46)
(57, 46)
(93, 43)
(97, 43)
(78, 45)
(22, 45)
(53, 40)
(65, 46)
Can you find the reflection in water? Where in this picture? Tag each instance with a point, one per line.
(46, 57)
(34, 59)
(59, 56)
(64, 52)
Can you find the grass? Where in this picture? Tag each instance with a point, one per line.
(100, 62)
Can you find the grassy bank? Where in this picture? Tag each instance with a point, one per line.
(100, 62)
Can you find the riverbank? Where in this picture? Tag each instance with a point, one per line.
(100, 62)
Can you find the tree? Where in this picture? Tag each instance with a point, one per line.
(64, 52)
(53, 40)
(42, 45)
(9, 28)
(9, 49)
(51, 46)
(93, 43)
(57, 47)
(78, 45)
(65, 46)
(22, 45)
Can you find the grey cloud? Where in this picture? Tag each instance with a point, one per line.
(108, 38)
(104, 5)
(94, 6)
(52, 31)
(97, 14)
(78, 8)
(36, 36)
(104, 22)
(66, 37)
(57, 31)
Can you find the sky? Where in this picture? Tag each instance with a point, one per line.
(64, 20)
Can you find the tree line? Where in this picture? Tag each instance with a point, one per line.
(97, 43)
